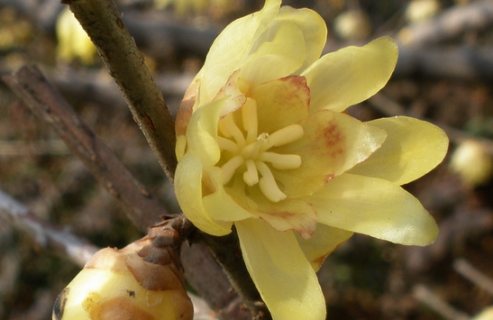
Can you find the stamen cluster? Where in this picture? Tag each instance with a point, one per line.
(245, 150)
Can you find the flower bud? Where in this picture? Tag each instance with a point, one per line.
(143, 281)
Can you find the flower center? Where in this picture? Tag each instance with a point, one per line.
(250, 153)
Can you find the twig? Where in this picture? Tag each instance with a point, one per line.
(208, 278)
(47, 103)
(469, 63)
(426, 296)
(102, 22)
(468, 271)
(45, 235)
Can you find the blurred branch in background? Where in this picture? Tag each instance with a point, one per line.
(450, 23)
(427, 297)
(48, 104)
(46, 236)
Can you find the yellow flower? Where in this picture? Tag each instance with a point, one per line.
(264, 144)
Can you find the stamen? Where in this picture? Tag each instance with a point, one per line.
(228, 145)
(250, 176)
(229, 168)
(268, 184)
(251, 151)
(286, 135)
(281, 161)
(249, 116)
(228, 128)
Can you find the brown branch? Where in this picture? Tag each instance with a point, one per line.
(48, 104)
(102, 22)
(46, 235)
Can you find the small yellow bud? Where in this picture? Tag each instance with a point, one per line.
(486, 314)
(472, 163)
(143, 281)
(421, 10)
(353, 25)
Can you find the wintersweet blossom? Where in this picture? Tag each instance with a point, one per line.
(264, 144)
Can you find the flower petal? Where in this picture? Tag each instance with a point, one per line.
(313, 28)
(188, 190)
(202, 133)
(231, 47)
(281, 103)
(219, 204)
(285, 215)
(375, 207)
(332, 144)
(279, 269)
(322, 243)
(277, 58)
(412, 149)
(353, 74)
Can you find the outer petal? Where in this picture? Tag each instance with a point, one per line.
(313, 27)
(309, 24)
(277, 58)
(231, 47)
(353, 74)
(188, 190)
(283, 276)
(323, 242)
(374, 207)
(412, 149)
(332, 144)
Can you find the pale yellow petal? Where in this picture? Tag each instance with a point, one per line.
(202, 133)
(281, 103)
(412, 149)
(375, 207)
(188, 190)
(353, 74)
(322, 243)
(332, 144)
(313, 28)
(281, 272)
(285, 215)
(230, 48)
(275, 58)
(219, 204)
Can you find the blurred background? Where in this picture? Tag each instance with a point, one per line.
(444, 75)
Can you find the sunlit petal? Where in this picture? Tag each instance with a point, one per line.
(412, 149)
(325, 240)
(343, 78)
(375, 207)
(188, 190)
(332, 144)
(281, 103)
(282, 274)
(219, 204)
(231, 47)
